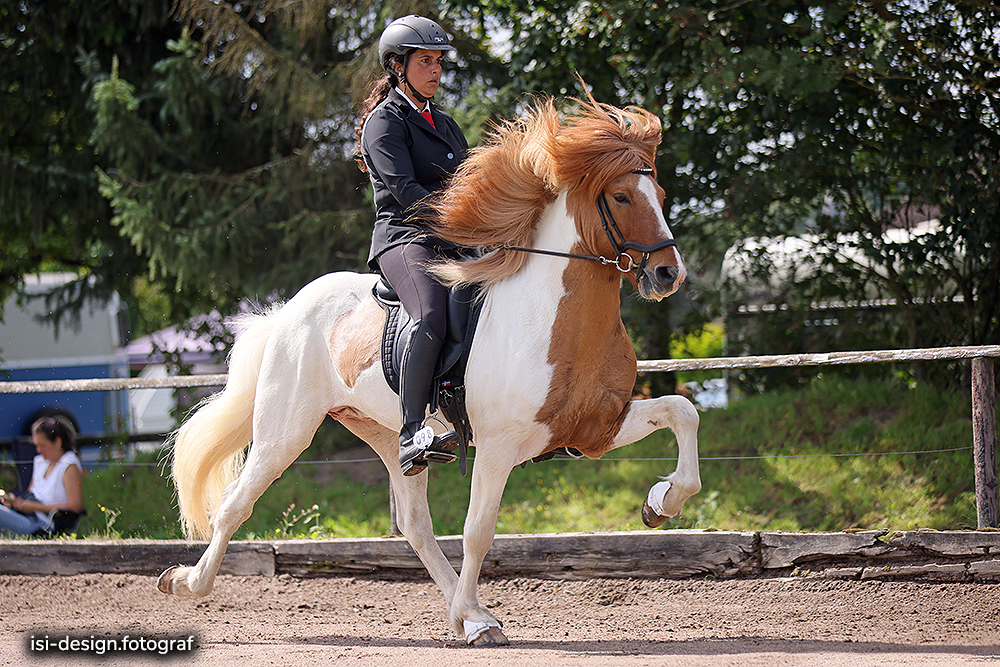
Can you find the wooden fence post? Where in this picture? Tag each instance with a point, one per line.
(984, 438)
(393, 526)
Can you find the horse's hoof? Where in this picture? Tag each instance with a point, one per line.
(654, 514)
(491, 637)
(651, 518)
(481, 633)
(165, 583)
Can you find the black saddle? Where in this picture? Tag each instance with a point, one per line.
(464, 307)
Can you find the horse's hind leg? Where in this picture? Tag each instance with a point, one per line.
(666, 498)
(283, 436)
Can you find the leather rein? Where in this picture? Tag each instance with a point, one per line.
(617, 239)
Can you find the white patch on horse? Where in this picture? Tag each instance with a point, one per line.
(647, 186)
(520, 346)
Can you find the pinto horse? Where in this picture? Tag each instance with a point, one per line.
(562, 207)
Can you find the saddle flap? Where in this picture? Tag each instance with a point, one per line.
(463, 314)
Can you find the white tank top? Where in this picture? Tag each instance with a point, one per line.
(51, 490)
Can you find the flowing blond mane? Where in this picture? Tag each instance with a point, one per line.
(498, 194)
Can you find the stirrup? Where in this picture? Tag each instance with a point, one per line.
(442, 450)
(425, 447)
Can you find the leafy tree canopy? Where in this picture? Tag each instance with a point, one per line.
(224, 153)
(51, 213)
(840, 119)
(209, 170)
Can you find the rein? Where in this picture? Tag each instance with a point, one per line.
(617, 239)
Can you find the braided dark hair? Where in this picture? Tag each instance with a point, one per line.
(380, 90)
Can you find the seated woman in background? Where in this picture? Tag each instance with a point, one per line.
(56, 482)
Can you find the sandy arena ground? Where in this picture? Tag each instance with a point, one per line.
(596, 623)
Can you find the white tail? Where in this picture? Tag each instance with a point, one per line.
(209, 449)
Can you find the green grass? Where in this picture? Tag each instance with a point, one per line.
(767, 464)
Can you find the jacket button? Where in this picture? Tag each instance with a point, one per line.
(451, 156)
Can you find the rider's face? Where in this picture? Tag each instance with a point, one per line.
(423, 71)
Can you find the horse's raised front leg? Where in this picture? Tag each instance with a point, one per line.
(666, 498)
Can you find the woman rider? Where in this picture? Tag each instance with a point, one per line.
(410, 148)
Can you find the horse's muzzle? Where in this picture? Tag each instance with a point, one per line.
(660, 281)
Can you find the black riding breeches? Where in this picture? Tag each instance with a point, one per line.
(423, 297)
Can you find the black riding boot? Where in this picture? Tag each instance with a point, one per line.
(417, 443)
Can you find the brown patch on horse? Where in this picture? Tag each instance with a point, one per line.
(593, 363)
(356, 341)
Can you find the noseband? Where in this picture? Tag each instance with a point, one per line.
(617, 239)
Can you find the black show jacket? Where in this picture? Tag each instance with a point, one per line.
(407, 160)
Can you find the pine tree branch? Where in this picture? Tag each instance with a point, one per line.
(232, 46)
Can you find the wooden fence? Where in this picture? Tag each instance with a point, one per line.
(983, 395)
(871, 555)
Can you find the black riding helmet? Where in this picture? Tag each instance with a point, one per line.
(408, 33)
(404, 35)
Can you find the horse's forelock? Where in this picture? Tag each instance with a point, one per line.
(602, 142)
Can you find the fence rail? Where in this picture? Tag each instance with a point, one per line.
(983, 394)
(112, 384)
(824, 359)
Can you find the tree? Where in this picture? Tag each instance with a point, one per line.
(788, 117)
(224, 197)
(233, 172)
(51, 213)
(839, 119)
(198, 173)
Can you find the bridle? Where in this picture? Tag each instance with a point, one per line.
(617, 239)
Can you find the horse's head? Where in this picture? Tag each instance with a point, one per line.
(626, 225)
(601, 157)
(605, 155)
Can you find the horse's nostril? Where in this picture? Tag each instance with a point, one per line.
(666, 275)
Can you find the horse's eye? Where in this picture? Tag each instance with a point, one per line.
(621, 198)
